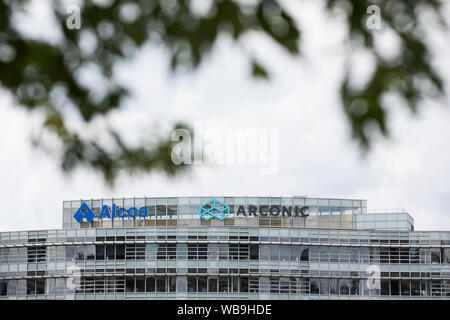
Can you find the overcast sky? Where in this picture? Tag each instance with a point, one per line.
(317, 158)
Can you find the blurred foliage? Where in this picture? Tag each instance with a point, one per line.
(409, 74)
(38, 73)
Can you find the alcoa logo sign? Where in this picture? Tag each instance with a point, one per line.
(85, 212)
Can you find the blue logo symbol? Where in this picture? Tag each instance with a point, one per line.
(84, 212)
(214, 209)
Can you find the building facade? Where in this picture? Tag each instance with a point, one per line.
(226, 248)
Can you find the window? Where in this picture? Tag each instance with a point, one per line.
(264, 284)
(334, 254)
(120, 252)
(294, 253)
(223, 284)
(129, 284)
(192, 251)
(374, 255)
(140, 284)
(70, 253)
(100, 252)
(212, 284)
(354, 290)
(264, 252)
(243, 287)
(192, 284)
(234, 252)
(4, 255)
(243, 251)
(324, 286)
(36, 254)
(150, 251)
(31, 286)
(274, 252)
(181, 283)
(110, 252)
(213, 251)
(202, 284)
(384, 287)
(274, 285)
(354, 255)
(202, 251)
(3, 288)
(344, 286)
(344, 254)
(172, 210)
(415, 287)
(254, 252)
(405, 289)
(80, 253)
(90, 252)
(181, 251)
(435, 255)
(172, 283)
(162, 250)
(304, 253)
(395, 287)
(314, 286)
(40, 286)
(59, 286)
(160, 284)
(414, 255)
(284, 253)
(223, 251)
(384, 255)
(333, 286)
(12, 288)
(235, 284)
(160, 210)
(446, 255)
(150, 284)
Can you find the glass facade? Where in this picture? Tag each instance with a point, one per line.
(170, 212)
(173, 253)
